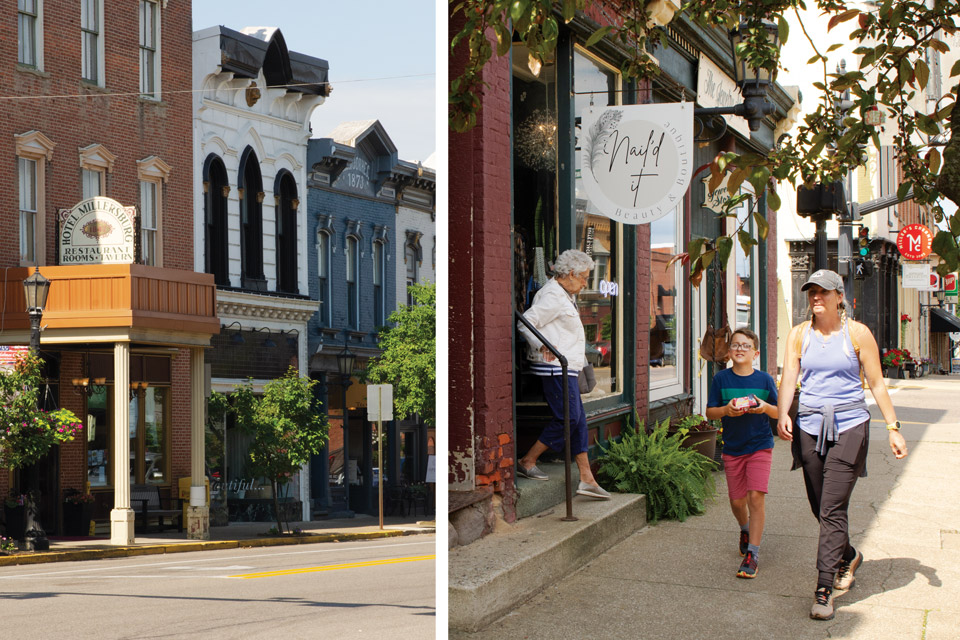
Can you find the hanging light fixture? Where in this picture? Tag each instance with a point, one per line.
(536, 140)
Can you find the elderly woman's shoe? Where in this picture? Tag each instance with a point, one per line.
(533, 473)
(592, 491)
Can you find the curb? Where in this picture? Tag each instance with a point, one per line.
(200, 545)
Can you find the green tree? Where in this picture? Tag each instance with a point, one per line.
(895, 39)
(409, 358)
(286, 425)
(26, 431)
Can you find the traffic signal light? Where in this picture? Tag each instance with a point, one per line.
(864, 241)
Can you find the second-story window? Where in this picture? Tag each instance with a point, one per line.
(410, 260)
(28, 23)
(148, 222)
(149, 29)
(251, 222)
(353, 276)
(91, 182)
(215, 220)
(27, 170)
(323, 272)
(286, 215)
(91, 37)
(378, 290)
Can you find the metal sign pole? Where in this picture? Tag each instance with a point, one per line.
(380, 455)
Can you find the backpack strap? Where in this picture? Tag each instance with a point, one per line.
(801, 337)
(856, 349)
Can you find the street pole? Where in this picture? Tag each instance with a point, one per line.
(35, 538)
(820, 243)
(346, 442)
(380, 457)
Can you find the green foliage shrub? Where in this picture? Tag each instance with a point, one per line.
(676, 481)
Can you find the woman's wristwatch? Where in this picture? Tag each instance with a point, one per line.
(895, 426)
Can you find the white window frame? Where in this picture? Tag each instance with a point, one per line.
(147, 91)
(28, 196)
(154, 171)
(36, 31)
(661, 389)
(91, 183)
(96, 158)
(37, 147)
(100, 81)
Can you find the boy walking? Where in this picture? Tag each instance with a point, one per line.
(744, 398)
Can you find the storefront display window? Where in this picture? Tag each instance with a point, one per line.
(598, 85)
(743, 282)
(666, 306)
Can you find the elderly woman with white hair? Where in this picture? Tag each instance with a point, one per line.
(555, 315)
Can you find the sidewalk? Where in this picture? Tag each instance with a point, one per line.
(232, 536)
(677, 580)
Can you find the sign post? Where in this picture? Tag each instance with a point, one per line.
(380, 408)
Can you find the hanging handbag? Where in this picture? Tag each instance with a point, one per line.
(587, 379)
(715, 344)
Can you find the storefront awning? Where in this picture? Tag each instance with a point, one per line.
(943, 321)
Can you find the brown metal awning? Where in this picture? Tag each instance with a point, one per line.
(113, 303)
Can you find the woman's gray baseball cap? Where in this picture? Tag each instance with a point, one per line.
(828, 280)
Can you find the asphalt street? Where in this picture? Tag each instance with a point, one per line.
(678, 579)
(368, 589)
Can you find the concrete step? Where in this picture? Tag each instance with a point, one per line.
(536, 496)
(495, 574)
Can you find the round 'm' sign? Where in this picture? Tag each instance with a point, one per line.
(914, 241)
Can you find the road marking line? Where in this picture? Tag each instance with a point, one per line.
(334, 567)
(353, 546)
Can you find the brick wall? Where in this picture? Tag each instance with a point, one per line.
(130, 128)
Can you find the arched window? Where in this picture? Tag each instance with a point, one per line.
(251, 223)
(379, 276)
(285, 190)
(216, 189)
(323, 273)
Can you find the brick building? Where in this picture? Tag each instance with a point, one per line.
(516, 203)
(96, 106)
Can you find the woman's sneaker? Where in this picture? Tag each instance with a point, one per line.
(845, 578)
(748, 568)
(822, 604)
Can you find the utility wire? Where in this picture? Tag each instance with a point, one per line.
(159, 94)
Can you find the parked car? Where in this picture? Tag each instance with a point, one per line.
(598, 353)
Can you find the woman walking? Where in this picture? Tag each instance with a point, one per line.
(554, 313)
(827, 354)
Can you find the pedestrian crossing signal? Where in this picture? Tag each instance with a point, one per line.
(864, 242)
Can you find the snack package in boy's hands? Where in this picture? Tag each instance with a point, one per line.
(747, 402)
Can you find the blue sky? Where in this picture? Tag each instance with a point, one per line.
(382, 58)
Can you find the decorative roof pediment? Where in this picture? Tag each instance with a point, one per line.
(247, 52)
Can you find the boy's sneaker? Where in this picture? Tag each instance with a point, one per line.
(845, 578)
(748, 568)
(822, 604)
(744, 543)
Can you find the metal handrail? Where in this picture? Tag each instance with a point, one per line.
(566, 412)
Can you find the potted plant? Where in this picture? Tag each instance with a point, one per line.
(7, 545)
(676, 480)
(697, 433)
(894, 361)
(77, 513)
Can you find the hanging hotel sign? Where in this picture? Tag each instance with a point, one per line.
(97, 231)
(915, 241)
(635, 161)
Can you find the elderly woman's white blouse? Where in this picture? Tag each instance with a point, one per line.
(554, 313)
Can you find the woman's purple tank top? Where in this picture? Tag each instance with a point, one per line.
(831, 375)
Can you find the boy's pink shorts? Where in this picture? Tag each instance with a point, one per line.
(750, 472)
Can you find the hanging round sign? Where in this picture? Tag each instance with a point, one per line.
(635, 160)
(914, 241)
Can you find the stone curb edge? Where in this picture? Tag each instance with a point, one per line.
(200, 545)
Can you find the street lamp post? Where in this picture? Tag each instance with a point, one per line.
(35, 288)
(345, 362)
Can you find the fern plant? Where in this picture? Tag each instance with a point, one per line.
(676, 481)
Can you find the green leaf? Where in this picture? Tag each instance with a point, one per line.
(708, 257)
(783, 29)
(597, 36)
(834, 47)
(955, 69)
(569, 10)
(763, 227)
(695, 247)
(945, 246)
(746, 241)
(773, 201)
(518, 8)
(843, 17)
(955, 225)
(903, 189)
(922, 72)
(724, 247)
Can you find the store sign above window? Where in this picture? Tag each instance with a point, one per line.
(915, 241)
(97, 231)
(635, 161)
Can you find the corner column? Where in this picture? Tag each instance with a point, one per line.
(121, 517)
(198, 512)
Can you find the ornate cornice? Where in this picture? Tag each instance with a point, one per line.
(238, 305)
